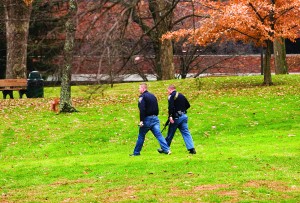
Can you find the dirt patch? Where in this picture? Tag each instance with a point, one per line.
(4, 198)
(210, 187)
(71, 182)
(87, 190)
(274, 185)
(69, 200)
(205, 190)
(121, 194)
(176, 192)
(233, 194)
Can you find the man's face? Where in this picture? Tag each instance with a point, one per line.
(141, 89)
(169, 91)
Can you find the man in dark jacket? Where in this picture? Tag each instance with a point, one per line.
(148, 107)
(177, 107)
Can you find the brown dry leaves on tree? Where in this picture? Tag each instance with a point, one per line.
(247, 20)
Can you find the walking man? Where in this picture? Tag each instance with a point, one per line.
(148, 108)
(177, 107)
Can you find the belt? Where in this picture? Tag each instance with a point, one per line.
(180, 113)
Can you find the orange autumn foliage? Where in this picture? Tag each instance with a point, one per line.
(28, 2)
(254, 21)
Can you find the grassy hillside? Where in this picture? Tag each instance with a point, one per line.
(247, 138)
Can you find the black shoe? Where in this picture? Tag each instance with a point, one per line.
(162, 151)
(192, 151)
(134, 154)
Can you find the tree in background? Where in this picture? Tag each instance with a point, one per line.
(101, 38)
(2, 44)
(281, 66)
(155, 18)
(65, 104)
(121, 36)
(17, 15)
(45, 40)
(257, 21)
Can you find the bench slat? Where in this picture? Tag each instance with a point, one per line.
(9, 84)
(13, 88)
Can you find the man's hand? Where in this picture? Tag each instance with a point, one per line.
(141, 124)
(171, 120)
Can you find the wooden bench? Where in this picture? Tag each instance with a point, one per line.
(7, 86)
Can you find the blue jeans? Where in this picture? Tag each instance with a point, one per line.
(181, 124)
(150, 123)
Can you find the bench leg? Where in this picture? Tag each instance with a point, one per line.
(7, 92)
(22, 92)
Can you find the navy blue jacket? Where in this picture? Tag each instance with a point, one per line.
(178, 104)
(148, 105)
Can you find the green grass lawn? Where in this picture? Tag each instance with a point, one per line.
(247, 138)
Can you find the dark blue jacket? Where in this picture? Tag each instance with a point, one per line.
(148, 105)
(180, 104)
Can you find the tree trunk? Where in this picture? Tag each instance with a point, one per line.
(183, 67)
(2, 42)
(166, 60)
(65, 94)
(17, 15)
(267, 64)
(162, 17)
(262, 61)
(281, 66)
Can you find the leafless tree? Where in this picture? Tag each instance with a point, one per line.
(17, 17)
